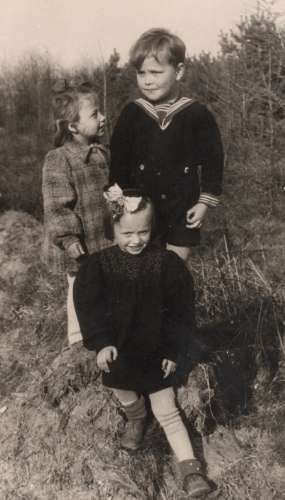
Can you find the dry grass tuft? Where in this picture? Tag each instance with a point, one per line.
(60, 428)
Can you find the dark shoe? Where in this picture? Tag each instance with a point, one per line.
(194, 481)
(196, 486)
(133, 434)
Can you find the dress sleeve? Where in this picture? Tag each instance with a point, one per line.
(90, 293)
(179, 306)
(211, 154)
(121, 147)
(63, 225)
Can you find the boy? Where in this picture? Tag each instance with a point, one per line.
(160, 140)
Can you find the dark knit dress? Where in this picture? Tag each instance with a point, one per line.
(143, 305)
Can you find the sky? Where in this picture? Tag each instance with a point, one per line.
(72, 31)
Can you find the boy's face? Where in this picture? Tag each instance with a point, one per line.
(157, 80)
(91, 122)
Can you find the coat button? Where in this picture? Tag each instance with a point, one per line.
(158, 173)
(163, 196)
(186, 170)
(141, 167)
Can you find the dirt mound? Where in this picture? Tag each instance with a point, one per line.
(60, 428)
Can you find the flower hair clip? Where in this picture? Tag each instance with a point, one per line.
(119, 202)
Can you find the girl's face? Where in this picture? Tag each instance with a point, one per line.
(158, 80)
(91, 122)
(133, 231)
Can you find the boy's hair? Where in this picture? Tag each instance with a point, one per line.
(66, 107)
(154, 41)
(109, 220)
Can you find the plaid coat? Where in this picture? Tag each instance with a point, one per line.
(73, 179)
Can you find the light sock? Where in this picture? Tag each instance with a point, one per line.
(166, 412)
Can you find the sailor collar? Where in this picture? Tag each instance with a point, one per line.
(168, 110)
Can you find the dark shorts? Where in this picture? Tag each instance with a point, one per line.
(172, 229)
(136, 374)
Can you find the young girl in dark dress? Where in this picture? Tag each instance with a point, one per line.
(135, 305)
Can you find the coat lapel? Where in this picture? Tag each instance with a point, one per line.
(84, 152)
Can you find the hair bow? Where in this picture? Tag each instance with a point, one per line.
(115, 197)
(61, 84)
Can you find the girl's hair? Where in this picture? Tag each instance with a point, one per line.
(109, 221)
(65, 109)
(154, 41)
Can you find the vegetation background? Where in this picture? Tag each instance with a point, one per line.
(59, 427)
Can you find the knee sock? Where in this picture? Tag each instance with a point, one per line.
(133, 406)
(73, 328)
(136, 410)
(166, 412)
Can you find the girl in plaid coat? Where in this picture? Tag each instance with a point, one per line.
(74, 175)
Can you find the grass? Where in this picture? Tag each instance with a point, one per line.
(60, 428)
(21, 162)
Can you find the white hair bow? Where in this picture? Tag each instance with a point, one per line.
(115, 195)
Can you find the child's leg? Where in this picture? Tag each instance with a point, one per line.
(126, 398)
(183, 252)
(136, 415)
(166, 412)
(73, 328)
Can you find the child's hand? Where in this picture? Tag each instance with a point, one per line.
(105, 356)
(168, 367)
(196, 215)
(75, 250)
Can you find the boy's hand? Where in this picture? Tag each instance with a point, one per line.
(196, 215)
(75, 250)
(105, 356)
(168, 367)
